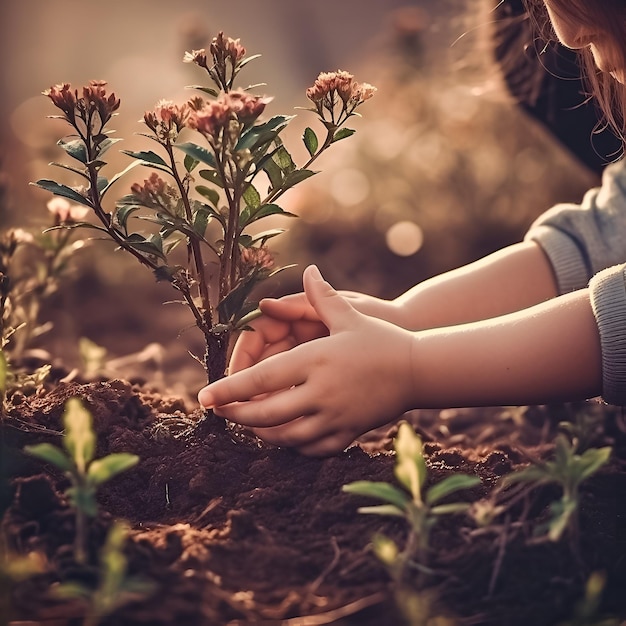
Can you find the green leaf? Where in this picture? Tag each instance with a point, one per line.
(248, 217)
(246, 60)
(106, 144)
(79, 439)
(75, 148)
(263, 133)
(208, 90)
(197, 152)
(62, 190)
(212, 176)
(190, 163)
(450, 485)
(592, 460)
(102, 470)
(410, 468)
(210, 194)
(265, 235)
(381, 509)
(252, 197)
(342, 133)
(147, 157)
(450, 509)
(122, 213)
(562, 512)
(50, 454)
(152, 246)
(72, 590)
(200, 220)
(310, 140)
(232, 303)
(283, 159)
(119, 175)
(382, 491)
(274, 173)
(80, 172)
(296, 177)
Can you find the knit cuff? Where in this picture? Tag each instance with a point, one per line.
(608, 301)
(564, 255)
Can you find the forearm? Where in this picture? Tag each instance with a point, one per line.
(509, 280)
(547, 353)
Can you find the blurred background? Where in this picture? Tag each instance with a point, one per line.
(446, 166)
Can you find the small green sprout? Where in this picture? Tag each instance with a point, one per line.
(568, 470)
(586, 611)
(420, 507)
(115, 588)
(85, 473)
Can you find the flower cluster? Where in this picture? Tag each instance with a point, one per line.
(94, 99)
(167, 119)
(155, 193)
(224, 52)
(214, 116)
(256, 259)
(333, 90)
(64, 212)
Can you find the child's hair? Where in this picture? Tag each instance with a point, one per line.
(609, 17)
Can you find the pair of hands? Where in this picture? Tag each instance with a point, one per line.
(316, 373)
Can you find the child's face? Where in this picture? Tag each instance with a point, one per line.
(576, 35)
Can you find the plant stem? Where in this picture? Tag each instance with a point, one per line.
(194, 243)
(80, 538)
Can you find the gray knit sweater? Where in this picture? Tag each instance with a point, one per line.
(586, 245)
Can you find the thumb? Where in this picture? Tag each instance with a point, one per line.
(334, 310)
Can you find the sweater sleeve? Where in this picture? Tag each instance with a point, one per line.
(581, 240)
(608, 302)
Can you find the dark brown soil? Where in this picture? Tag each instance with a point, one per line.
(232, 532)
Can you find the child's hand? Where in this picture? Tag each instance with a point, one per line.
(323, 394)
(291, 320)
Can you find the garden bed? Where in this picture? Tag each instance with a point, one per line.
(230, 531)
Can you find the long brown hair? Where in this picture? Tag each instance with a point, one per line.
(609, 17)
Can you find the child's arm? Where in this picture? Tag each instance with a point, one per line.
(325, 393)
(505, 281)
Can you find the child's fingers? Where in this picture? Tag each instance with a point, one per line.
(273, 410)
(301, 431)
(290, 308)
(281, 371)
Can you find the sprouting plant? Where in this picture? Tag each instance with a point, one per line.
(586, 611)
(222, 140)
(568, 470)
(31, 269)
(115, 587)
(421, 507)
(86, 474)
(585, 427)
(13, 569)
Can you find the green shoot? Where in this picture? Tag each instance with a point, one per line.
(115, 587)
(568, 470)
(86, 474)
(421, 507)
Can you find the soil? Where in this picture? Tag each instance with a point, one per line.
(230, 531)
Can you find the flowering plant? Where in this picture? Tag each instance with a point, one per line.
(224, 141)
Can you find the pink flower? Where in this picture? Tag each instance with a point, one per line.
(223, 48)
(256, 259)
(167, 119)
(66, 213)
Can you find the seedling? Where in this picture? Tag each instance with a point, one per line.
(115, 587)
(86, 474)
(223, 141)
(568, 470)
(420, 507)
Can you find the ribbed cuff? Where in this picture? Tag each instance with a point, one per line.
(608, 301)
(567, 261)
